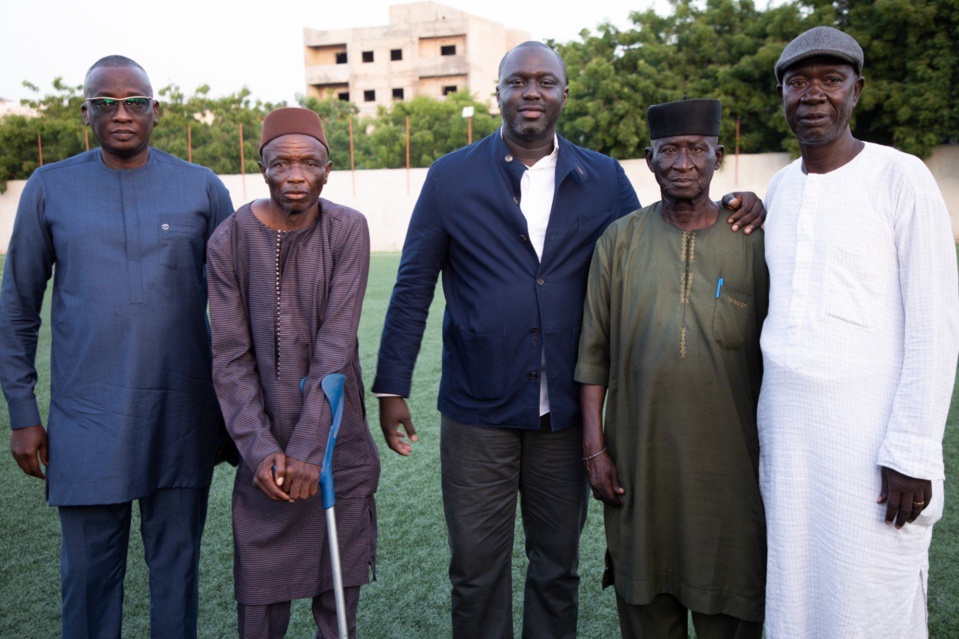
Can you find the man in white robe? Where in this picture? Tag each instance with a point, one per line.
(859, 352)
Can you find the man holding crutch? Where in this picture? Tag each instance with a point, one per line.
(287, 277)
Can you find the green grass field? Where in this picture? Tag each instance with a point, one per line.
(410, 597)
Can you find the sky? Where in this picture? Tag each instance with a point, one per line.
(229, 45)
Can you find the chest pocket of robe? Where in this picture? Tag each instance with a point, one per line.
(179, 240)
(853, 286)
(731, 317)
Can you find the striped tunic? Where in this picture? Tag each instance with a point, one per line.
(285, 305)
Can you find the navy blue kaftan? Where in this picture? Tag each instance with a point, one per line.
(132, 403)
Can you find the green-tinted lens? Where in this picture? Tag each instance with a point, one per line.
(103, 105)
(136, 105)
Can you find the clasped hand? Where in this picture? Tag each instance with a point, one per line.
(283, 478)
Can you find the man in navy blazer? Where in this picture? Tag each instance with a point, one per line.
(510, 222)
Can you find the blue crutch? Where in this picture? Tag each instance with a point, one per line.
(333, 385)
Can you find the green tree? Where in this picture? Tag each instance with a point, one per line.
(337, 115)
(58, 124)
(727, 49)
(702, 48)
(436, 128)
(605, 93)
(723, 49)
(214, 125)
(911, 98)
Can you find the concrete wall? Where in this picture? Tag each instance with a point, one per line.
(8, 210)
(381, 195)
(387, 196)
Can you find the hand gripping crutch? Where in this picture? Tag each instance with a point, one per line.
(333, 389)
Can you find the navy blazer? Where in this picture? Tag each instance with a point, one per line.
(503, 305)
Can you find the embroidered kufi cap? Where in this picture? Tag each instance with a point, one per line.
(287, 120)
(685, 117)
(824, 41)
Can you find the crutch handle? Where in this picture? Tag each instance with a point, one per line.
(333, 387)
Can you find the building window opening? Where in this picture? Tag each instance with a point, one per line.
(369, 95)
(396, 55)
(397, 94)
(451, 88)
(341, 57)
(367, 56)
(448, 49)
(345, 96)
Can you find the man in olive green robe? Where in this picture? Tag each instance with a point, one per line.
(671, 329)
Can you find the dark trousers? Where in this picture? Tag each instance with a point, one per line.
(93, 562)
(665, 617)
(270, 621)
(483, 470)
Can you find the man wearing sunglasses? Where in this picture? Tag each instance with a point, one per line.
(133, 415)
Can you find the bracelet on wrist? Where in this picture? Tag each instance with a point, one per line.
(593, 456)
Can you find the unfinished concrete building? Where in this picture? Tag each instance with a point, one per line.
(426, 49)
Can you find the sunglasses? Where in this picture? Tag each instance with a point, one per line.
(136, 105)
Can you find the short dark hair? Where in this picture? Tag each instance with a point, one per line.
(534, 43)
(112, 61)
